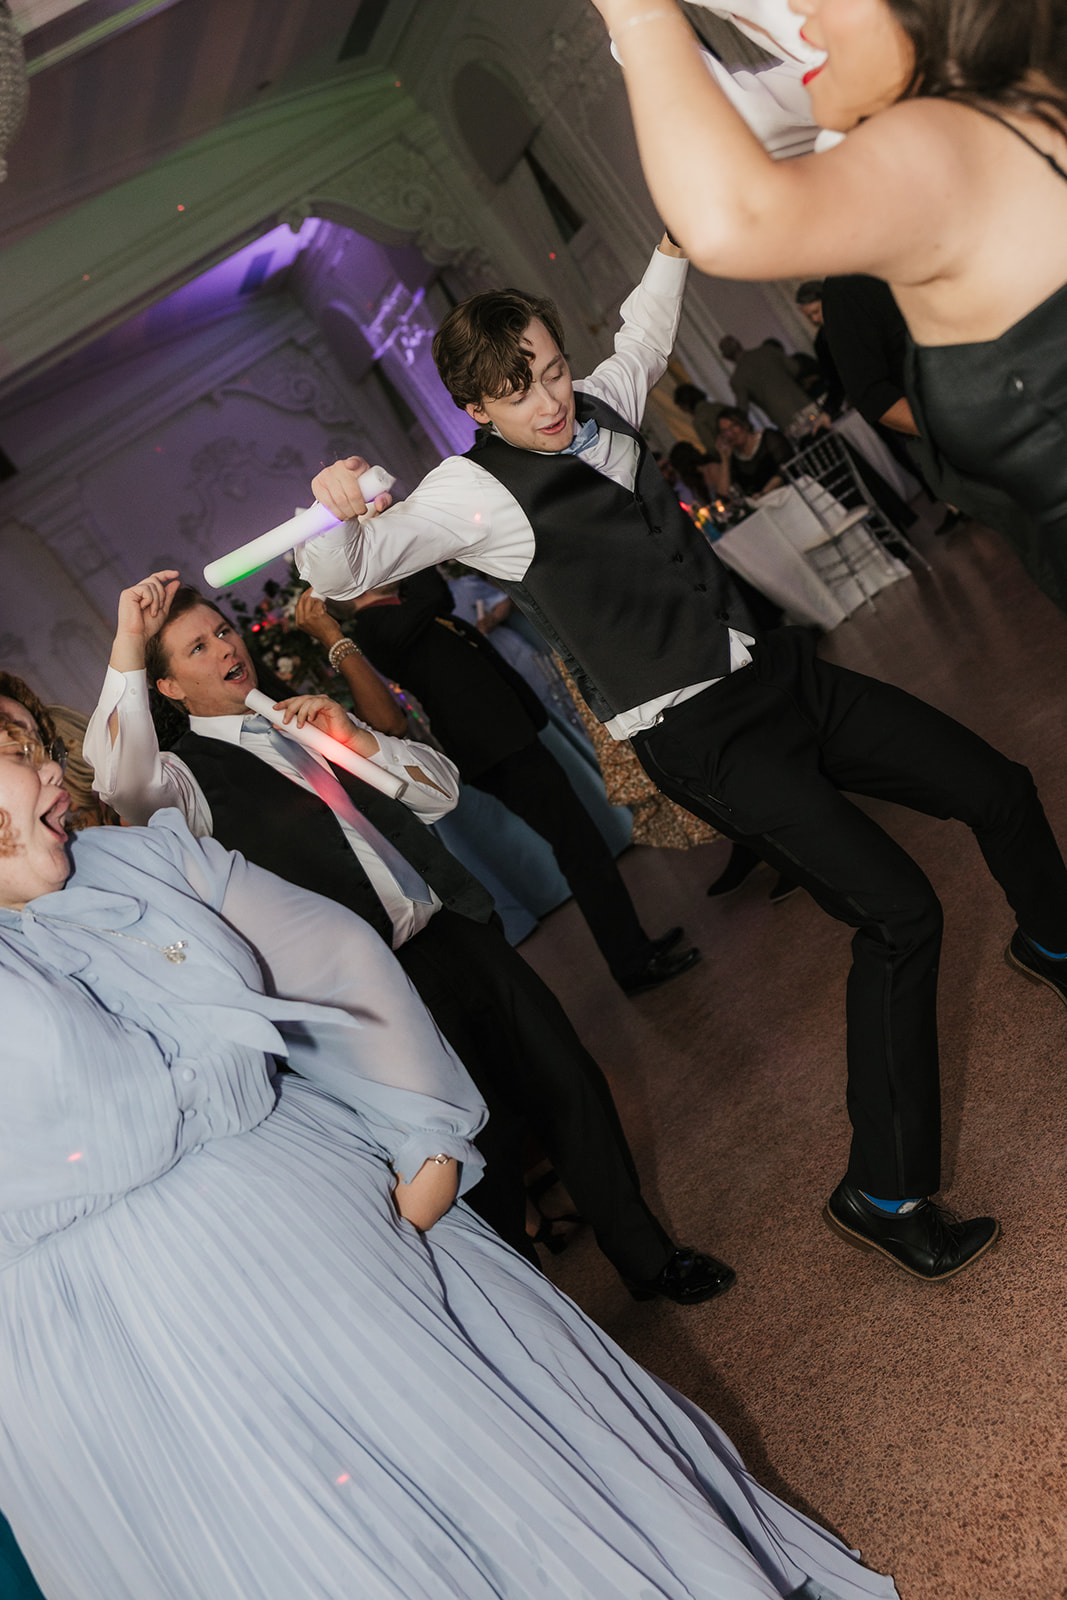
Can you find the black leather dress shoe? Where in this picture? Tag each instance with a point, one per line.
(1026, 958)
(666, 941)
(927, 1242)
(687, 1279)
(661, 969)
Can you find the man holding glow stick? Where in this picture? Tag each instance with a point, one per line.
(562, 505)
(260, 792)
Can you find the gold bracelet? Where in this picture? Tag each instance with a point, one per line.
(642, 16)
(341, 649)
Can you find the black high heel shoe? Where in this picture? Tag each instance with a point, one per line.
(554, 1232)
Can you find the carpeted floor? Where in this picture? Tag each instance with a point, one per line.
(926, 1424)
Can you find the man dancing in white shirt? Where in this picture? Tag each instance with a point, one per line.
(561, 503)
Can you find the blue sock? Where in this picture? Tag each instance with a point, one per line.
(1053, 955)
(894, 1207)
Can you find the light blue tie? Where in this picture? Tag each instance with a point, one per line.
(333, 793)
(584, 439)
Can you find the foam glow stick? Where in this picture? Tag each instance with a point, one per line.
(326, 746)
(287, 535)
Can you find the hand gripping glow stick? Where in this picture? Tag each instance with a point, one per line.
(326, 746)
(287, 535)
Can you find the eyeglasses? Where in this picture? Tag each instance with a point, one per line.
(29, 748)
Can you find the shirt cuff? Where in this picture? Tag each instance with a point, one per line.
(323, 562)
(395, 755)
(97, 748)
(665, 274)
(422, 1146)
(392, 754)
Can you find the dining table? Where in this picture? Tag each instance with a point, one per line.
(857, 432)
(818, 577)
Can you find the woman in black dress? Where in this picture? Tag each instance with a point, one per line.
(751, 459)
(951, 186)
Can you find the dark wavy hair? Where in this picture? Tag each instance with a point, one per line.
(478, 348)
(1009, 53)
(734, 414)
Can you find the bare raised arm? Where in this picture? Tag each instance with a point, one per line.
(372, 700)
(867, 206)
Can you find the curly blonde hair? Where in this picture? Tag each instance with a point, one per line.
(17, 689)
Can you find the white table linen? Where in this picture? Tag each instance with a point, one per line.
(777, 549)
(859, 433)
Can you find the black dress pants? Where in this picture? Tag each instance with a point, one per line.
(517, 1043)
(533, 785)
(764, 755)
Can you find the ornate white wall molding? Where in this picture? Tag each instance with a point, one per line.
(291, 377)
(229, 469)
(204, 363)
(211, 446)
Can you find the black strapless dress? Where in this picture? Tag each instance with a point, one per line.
(996, 412)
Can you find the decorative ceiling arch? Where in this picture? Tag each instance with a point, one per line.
(358, 151)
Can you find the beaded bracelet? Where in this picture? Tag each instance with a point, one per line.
(341, 649)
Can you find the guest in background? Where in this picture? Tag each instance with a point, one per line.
(697, 471)
(868, 341)
(480, 602)
(752, 458)
(809, 301)
(488, 720)
(805, 370)
(705, 414)
(762, 377)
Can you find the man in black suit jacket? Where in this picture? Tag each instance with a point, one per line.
(263, 794)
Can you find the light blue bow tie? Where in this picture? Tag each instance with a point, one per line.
(583, 440)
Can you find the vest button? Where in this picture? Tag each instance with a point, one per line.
(677, 556)
(701, 586)
(723, 616)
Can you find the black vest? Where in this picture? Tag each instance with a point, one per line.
(622, 583)
(282, 826)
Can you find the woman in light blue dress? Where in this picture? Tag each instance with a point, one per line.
(252, 1347)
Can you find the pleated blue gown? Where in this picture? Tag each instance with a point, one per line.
(231, 1371)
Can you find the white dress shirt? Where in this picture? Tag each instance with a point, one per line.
(138, 779)
(461, 512)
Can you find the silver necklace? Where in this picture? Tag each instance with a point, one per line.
(174, 952)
